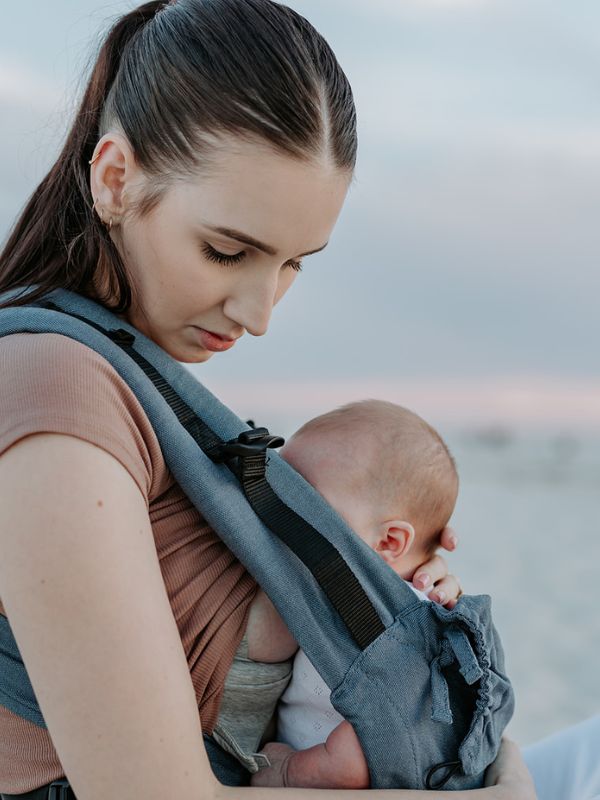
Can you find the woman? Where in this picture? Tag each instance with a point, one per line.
(212, 151)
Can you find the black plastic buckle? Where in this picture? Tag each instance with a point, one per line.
(121, 337)
(60, 790)
(248, 443)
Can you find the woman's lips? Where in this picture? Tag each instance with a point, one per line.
(214, 341)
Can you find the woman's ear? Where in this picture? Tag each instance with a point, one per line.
(113, 170)
(394, 540)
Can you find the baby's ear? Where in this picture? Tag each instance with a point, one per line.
(394, 541)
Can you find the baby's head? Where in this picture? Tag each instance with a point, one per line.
(385, 471)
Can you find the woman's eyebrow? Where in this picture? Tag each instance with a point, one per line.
(249, 240)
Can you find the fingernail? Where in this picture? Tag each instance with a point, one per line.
(422, 581)
(453, 541)
(439, 597)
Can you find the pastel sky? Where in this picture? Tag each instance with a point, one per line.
(462, 277)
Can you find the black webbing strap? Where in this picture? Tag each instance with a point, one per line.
(325, 562)
(246, 456)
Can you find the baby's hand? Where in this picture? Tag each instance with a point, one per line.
(275, 775)
(433, 576)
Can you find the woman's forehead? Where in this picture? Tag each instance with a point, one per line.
(275, 199)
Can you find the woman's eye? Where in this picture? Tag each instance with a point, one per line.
(223, 258)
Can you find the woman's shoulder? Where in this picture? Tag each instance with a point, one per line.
(49, 359)
(52, 383)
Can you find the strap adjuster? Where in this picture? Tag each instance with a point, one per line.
(121, 337)
(248, 443)
(60, 790)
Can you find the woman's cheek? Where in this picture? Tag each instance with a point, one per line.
(288, 276)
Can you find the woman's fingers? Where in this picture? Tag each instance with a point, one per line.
(510, 771)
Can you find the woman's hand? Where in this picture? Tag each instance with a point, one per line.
(510, 773)
(434, 573)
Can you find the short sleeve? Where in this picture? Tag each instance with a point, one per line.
(54, 384)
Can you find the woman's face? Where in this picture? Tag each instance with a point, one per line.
(219, 251)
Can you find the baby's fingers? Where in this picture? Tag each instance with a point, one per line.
(449, 539)
(446, 592)
(430, 573)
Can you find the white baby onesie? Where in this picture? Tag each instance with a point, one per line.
(305, 716)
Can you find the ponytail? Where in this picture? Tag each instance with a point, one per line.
(167, 74)
(59, 241)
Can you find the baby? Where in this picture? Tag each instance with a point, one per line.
(391, 477)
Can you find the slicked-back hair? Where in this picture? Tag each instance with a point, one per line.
(174, 77)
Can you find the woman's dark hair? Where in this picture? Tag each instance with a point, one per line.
(172, 76)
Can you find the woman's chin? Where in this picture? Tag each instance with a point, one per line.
(188, 354)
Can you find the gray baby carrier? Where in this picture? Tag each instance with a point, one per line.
(423, 687)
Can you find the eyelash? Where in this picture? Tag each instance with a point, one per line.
(223, 258)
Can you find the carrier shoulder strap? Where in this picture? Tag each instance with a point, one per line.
(246, 457)
(347, 613)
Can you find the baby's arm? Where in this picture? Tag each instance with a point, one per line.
(337, 763)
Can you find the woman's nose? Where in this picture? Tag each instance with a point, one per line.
(251, 303)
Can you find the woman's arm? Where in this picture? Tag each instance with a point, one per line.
(81, 584)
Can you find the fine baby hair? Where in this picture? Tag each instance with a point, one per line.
(389, 456)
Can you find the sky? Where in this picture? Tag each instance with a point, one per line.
(462, 276)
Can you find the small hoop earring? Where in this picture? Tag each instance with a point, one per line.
(96, 157)
(100, 212)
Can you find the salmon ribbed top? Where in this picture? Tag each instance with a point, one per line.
(51, 383)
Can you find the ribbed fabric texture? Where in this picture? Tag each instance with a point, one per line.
(51, 383)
